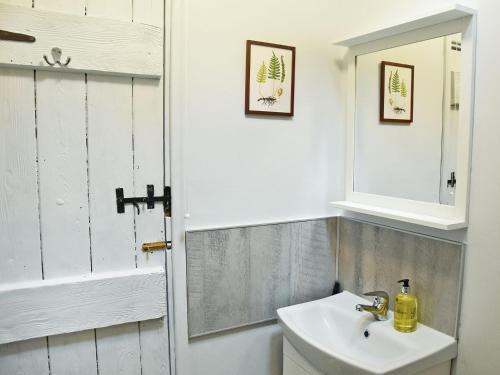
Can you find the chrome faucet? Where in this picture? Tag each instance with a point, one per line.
(380, 305)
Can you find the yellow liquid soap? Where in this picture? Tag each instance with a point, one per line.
(405, 310)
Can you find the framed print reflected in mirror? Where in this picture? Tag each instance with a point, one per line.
(396, 92)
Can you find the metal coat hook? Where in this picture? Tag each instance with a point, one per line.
(56, 55)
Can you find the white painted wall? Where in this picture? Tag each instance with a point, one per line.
(400, 160)
(219, 145)
(241, 169)
(480, 327)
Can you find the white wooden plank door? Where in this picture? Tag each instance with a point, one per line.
(67, 140)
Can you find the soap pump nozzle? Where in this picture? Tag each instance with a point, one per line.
(406, 285)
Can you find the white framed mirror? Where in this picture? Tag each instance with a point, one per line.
(410, 118)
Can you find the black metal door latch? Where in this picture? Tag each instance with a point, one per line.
(150, 200)
(452, 181)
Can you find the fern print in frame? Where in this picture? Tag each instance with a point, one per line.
(270, 73)
(396, 92)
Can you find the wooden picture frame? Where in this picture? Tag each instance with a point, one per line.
(270, 79)
(395, 106)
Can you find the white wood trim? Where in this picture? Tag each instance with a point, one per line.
(178, 120)
(109, 103)
(50, 307)
(19, 214)
(233, 225)
(425, 220)
(434, 17)
(430, 32)
(148, 130)
(168, 16)
(428, 214)
(96, 45)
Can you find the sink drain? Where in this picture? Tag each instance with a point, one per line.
(366, 333)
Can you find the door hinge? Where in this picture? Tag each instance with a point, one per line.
(150, 200)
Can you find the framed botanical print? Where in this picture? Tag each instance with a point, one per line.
(396, 92)
(270, 79)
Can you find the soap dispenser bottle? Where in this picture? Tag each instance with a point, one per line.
(405, 309)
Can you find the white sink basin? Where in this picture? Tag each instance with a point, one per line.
(330, 334)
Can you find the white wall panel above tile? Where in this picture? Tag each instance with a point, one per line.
(240, 276)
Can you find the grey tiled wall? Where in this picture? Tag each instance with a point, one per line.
(240, 276)
(375, 258)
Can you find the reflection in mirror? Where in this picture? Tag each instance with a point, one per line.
(407, 104)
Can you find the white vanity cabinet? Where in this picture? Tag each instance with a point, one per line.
(295, 364)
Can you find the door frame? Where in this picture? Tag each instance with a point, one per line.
(175, 106)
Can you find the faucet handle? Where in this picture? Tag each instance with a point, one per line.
(378, 294)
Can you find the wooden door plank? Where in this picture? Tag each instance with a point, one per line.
(71, 353)
(71, 304)
(19, 218)
(23, 3)
(64, 6)
(112, 234)
(149, 12)
(99, 45)
(148, 166)
(150, 226)
(61, 114)
(148, 169)
(64, 202)
(120, 10)
(24, 357)
(63, 173)
(110, 166)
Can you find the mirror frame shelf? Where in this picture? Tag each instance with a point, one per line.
(453, 19)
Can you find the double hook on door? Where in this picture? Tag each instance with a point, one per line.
(56, 56)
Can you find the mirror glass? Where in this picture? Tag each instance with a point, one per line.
(406, 121)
